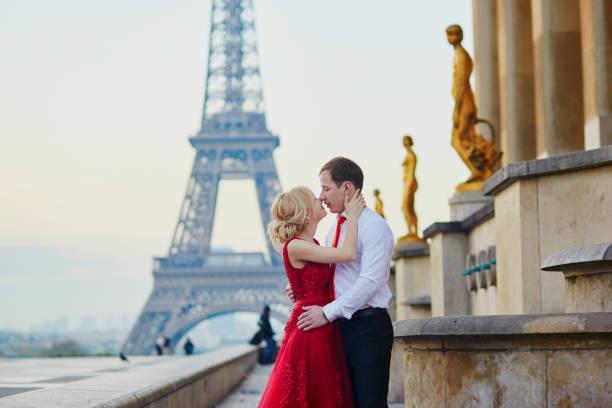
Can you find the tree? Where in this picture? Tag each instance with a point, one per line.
(66, 348)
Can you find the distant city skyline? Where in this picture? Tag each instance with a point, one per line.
(67, 324)
(99, 98)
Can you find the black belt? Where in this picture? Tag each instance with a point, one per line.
(369, 311)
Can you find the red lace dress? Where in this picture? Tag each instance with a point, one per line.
(310, 369)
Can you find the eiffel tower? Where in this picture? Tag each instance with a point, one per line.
(193, 283)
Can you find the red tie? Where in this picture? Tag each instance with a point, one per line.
(332, 293)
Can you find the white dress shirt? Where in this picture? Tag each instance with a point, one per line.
(363, 282)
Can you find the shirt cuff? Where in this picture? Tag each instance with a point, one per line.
(332, 311)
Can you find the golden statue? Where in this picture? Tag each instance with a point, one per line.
(379, 204)
(478, 153)
(410, 187)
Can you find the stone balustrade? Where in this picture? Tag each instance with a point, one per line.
(508, 361)
(541, 207)
(470, 240)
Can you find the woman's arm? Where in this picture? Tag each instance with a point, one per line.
(304, 251)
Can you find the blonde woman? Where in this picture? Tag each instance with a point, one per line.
(311, 368)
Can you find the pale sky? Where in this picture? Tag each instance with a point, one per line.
(98, 99)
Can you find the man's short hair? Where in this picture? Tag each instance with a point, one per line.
(342, 169)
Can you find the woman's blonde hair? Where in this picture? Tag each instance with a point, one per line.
(289, 212)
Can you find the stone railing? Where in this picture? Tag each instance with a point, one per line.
(463, 251)
(507, 361)
(195, 381)
(516, 360)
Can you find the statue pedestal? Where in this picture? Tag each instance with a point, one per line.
(465, 203)
(410, 249)
(412, 279)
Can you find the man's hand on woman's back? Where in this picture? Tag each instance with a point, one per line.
(290, 293)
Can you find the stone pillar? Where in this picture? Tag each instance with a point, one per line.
(558, 76)
(412, 280)
(448, 249)
(588, 277)
(486, 65)
(516, 75)
(516, 224)
(465, 203)
(393, 302)
(596, 31)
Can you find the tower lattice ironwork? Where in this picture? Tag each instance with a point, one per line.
(193, 282)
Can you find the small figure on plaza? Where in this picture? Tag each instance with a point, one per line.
(268, 335)
(379, 204)
(188, 347)
(479, 154)
(159, 343)
(410, 187)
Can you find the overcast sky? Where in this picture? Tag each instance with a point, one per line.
(99, 97)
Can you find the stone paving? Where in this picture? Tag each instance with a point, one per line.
(92, 382)
(28, 374)
(249, 392)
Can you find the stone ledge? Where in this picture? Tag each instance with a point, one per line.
(479, 216)
(506, 176)
(439, 227)
(505, 325)
(410, 250)
(423, 300)
(586, 257)
(467, 224)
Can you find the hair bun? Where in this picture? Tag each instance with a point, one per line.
(289, 212)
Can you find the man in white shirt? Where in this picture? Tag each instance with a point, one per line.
(360, 290)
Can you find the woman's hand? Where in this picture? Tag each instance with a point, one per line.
(354, 205)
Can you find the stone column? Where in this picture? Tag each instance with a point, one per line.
(596, 31)
(516, 241)
(558, 76)
(448, 248)
(588, 277)
(486, 65)
(517, 99)
(412, 280)
(393, 302)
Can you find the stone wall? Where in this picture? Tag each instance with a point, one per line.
(507, 361)
(543, 206)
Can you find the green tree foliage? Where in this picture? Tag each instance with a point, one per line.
(66, 348)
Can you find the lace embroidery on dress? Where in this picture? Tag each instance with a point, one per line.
(286, 385)
(302, 385)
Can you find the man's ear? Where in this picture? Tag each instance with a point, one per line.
(348, 187)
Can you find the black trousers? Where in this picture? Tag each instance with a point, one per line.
(367, 344)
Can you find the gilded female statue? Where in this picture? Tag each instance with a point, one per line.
(478, 153)
(379, 204)
(410, 187)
